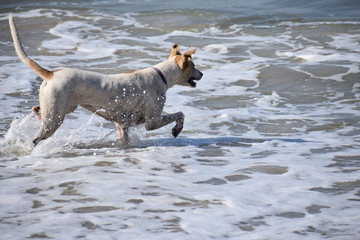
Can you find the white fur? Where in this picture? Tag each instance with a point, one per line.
(127, 99)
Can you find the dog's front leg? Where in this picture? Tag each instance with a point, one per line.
(179, 125)
(153, 123)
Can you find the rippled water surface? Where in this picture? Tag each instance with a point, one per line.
(270, 145)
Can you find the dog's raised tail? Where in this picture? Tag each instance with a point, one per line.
(42, 72)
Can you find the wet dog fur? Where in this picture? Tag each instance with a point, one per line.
(127, 99)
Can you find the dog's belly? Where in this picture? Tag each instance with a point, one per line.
(128, 118)
(124, 117)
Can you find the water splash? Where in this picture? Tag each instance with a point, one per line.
(18, 139)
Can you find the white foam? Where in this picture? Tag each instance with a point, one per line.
(272, 100)
(216, 48)
(17, 80)
(346, 41)
(40, 12)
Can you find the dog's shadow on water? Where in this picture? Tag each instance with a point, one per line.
(220, 141)
(196, 142)
(183, 142)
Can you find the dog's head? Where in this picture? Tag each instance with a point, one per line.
(185, 63)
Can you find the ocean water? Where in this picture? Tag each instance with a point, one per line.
(270, 145)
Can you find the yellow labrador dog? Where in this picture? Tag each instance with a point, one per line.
(127, 99)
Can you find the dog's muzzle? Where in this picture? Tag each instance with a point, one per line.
(192, 79)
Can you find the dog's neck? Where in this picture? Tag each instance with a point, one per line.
(161, 75)
(171, 71)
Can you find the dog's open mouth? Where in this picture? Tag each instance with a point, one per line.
(192, 82)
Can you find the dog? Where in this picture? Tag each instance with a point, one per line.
(127, 99)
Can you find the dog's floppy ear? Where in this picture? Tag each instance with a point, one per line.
(175, 50)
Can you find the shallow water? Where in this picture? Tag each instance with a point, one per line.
(270, 145)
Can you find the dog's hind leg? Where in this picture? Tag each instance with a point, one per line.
(36, 110)
(48, 126)
(123, 133)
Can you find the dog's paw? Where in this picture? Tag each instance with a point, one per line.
(36, 141)
(176, 131)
